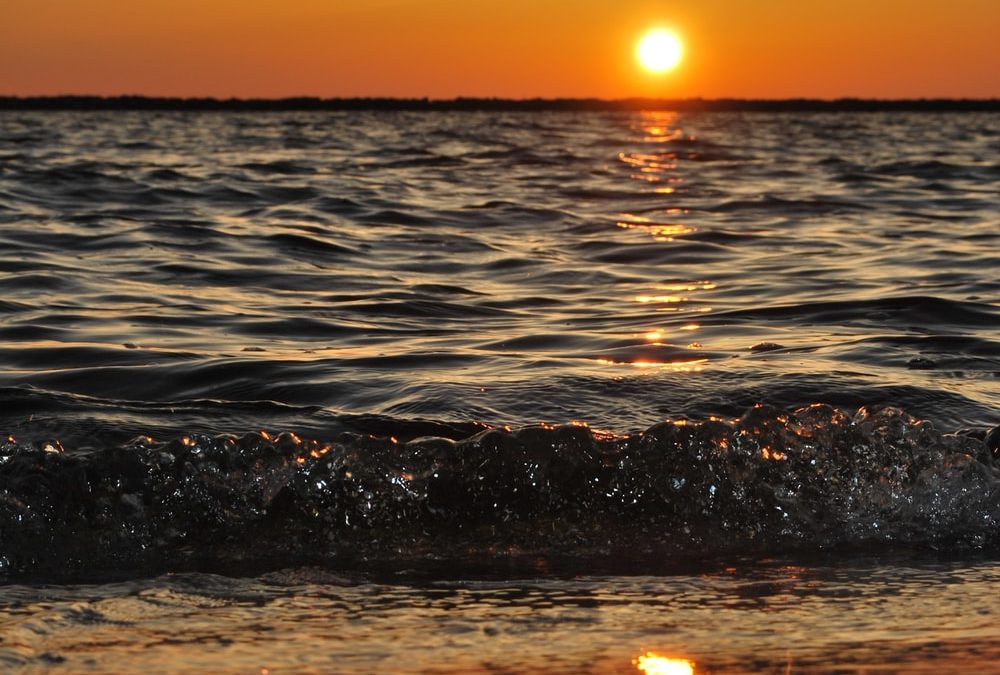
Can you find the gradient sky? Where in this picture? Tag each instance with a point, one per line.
(506, 48)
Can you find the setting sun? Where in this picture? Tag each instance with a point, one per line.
(659, 50)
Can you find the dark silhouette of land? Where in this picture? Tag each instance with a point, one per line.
(499, 104)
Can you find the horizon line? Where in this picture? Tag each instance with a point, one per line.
(139, 102)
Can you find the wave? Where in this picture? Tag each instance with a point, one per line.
(773, 481)
(904, 310)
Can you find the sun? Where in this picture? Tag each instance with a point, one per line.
(659, 50)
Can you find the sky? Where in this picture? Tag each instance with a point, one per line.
(501, 48)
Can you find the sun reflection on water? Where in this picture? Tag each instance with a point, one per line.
(652, 663)
(691, 286)
(659, 231)
(684, 366)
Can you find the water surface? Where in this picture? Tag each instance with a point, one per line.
(284, 269)
(631, 359)
(857, 616)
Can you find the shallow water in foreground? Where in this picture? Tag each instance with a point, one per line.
(774, 616)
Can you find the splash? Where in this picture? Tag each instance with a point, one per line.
(818, 477)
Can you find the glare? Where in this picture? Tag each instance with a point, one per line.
(659, 50)
(651, 663)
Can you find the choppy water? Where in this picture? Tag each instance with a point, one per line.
(471, 337)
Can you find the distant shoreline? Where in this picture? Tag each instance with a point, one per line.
(139, 103)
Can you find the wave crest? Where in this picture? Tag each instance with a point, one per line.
(815, 478)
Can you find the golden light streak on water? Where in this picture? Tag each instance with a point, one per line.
(652, 663)
(689, 366)
(659, 231)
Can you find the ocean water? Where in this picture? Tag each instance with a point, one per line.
(499, 392)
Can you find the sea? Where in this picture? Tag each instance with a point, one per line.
(499, 392)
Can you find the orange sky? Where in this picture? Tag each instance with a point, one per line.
(506, 48)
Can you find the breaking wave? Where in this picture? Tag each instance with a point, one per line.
(769, 481)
